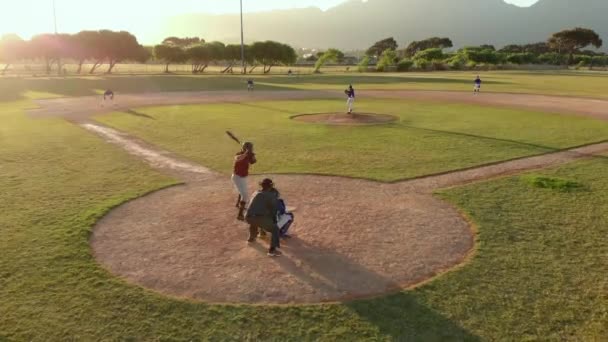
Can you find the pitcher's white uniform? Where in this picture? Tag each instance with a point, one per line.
(350, 102)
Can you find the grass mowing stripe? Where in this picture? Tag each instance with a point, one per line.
(429, 139)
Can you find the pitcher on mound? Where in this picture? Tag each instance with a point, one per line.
(350, 101)
(242, 161)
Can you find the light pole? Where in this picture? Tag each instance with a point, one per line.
(242, 42)
(55, 16)
(59, 69)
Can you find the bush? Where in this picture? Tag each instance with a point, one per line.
(422, 64)
(388, 59)
(363, 64)
(482, 56)
(456, 62)
(600, 61)
(582, 60)
(430, 54)
(553, 58)
(438, 65)
(405, 65)
(521, 58)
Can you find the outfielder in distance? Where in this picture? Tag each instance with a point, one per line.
(477, 87)
(350, 101)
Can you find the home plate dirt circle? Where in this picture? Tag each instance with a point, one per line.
(352, 239)
(355, 119)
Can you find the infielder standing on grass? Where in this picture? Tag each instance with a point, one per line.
(242, 161)
(350, 92)
(477, 87)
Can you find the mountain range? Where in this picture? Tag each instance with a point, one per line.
(357, 24)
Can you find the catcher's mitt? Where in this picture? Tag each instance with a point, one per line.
(346, 92)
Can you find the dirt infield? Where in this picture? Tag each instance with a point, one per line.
(342, 119)
(352, 238)
(82, 108)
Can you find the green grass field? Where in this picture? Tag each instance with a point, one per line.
(430, 138)
(566, 83)
(539, 271)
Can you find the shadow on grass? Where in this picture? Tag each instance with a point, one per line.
(269, 108)
(483, 137)
(404, 317)
(139, 114)
(14, 88)
(400, 316)
(380, 79)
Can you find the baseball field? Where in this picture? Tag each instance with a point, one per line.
(465, 217)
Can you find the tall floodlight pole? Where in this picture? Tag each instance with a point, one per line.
(55, 16)
(59, 69)
(242, 42)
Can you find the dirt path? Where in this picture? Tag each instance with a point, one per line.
(82, 108)
(353, 238)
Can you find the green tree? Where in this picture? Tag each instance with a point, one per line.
(387, 59)
(331, 55)
(380, 46)
(512, 48)
(433, 54)
(200, 57)
(271, 53)
(363, 64)
(429, 43)
(232, 56)
(169, 54)
(121, 46)
(50, 48)
(12, 49)
(571, 41)
(182, 42)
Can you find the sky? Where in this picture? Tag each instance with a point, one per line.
(30, 17)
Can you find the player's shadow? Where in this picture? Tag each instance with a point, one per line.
(400, 315)
(269, 108)
(139, 114)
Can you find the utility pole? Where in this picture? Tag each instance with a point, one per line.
(242, 42)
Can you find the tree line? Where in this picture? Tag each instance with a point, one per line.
(109, 48)
(201, 54)
(561, 48)
(105, 47)
(98, 47)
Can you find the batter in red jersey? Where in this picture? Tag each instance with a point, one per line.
(242, 161)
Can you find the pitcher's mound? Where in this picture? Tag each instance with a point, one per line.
(355, 119)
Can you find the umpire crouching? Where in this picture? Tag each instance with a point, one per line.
(262, 213)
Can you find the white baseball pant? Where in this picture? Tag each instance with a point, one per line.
(240, 184)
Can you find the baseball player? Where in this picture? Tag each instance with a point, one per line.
(242, 161)
(262, 214)
(350, 93)
(108, 95)
(250, 84)
(477, 87)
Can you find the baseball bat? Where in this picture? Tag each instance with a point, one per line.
(233, 137)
